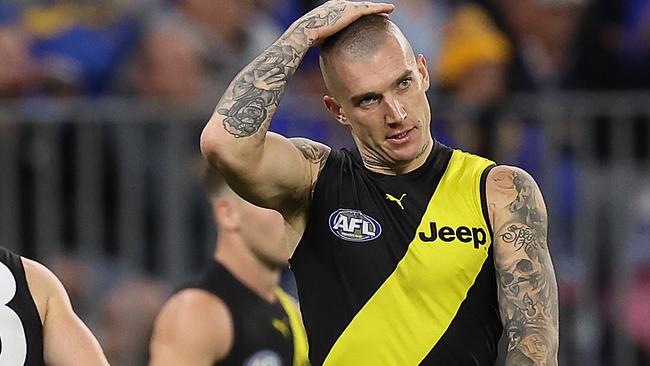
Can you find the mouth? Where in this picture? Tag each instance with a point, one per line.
(401, 137)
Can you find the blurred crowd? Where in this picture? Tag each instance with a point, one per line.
(478, 49)
(480, 53)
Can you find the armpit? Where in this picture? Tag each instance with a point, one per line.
(316, 153)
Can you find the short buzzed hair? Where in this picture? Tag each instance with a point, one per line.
(360, 38)
(211, 179)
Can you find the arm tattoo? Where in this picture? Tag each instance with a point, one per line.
(315, 153)
(527, 290)
(319, 18)
(255, 94)
(253, 97)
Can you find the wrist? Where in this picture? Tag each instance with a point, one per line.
(298, 36)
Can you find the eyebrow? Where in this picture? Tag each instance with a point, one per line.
(356, 99)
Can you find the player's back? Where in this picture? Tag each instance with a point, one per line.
(21, 331)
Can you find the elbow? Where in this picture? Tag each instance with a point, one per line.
(210, 142)
(217, 147)
(225, 151)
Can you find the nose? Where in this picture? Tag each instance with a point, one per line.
(396, 112)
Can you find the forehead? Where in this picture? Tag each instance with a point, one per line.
(375, 71)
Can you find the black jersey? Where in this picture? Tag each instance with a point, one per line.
(269, 334)
(21, 331)
(398, 270)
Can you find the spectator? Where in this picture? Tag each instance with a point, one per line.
(474, 57)
(18, 72)
(205, 41)
(78, 45)
(543, 32)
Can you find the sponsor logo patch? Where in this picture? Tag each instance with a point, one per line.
(475, 235)
(354, 225)
(264, 358)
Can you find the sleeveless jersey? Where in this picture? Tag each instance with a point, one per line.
(264, 333)
(21, 331)
(398, 270)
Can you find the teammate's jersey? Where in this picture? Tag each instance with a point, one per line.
(269, 334)
(398, 270)
(21, 331)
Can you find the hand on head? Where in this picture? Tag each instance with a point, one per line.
(335, 15)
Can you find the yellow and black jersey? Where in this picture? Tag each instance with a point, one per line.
(398, 270)
(264, 333)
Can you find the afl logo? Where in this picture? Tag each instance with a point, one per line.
(354, 225)
(264, 358)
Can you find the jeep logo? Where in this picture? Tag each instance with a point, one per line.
(354, 225)
(447, 234)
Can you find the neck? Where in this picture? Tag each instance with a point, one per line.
(377, 165)
(262, 278)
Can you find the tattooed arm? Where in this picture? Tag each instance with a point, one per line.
(266, 168)
(528, 299)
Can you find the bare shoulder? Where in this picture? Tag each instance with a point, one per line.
(193, 320)
(512, 190)
(315, 152)
(38, 274)
(191, 308)
(503, 181)
(43, 284)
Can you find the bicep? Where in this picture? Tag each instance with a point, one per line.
(194, 328)
(527, 288)
(66, 339)
(283, 177)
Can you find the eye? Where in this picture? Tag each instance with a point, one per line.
(404, 84)
(367, 102)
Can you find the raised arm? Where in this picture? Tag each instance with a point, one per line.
(66, 339)
(266, 168)
(528, 298)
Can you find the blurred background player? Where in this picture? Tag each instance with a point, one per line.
(37, 323)
(234, 313)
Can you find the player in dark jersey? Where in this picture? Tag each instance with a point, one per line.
(234, 313)
(37, 323)
(411, 252)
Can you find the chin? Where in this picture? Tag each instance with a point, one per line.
(279, 264)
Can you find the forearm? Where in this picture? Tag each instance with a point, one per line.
(252, 98)
(529, 310)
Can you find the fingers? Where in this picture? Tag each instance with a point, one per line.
(368, 7)
(358, 9)
(334, 15)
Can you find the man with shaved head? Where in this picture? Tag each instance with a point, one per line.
(409, 252)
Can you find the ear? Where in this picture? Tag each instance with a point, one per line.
(335, 109)
(424, 72)
(226, 214)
